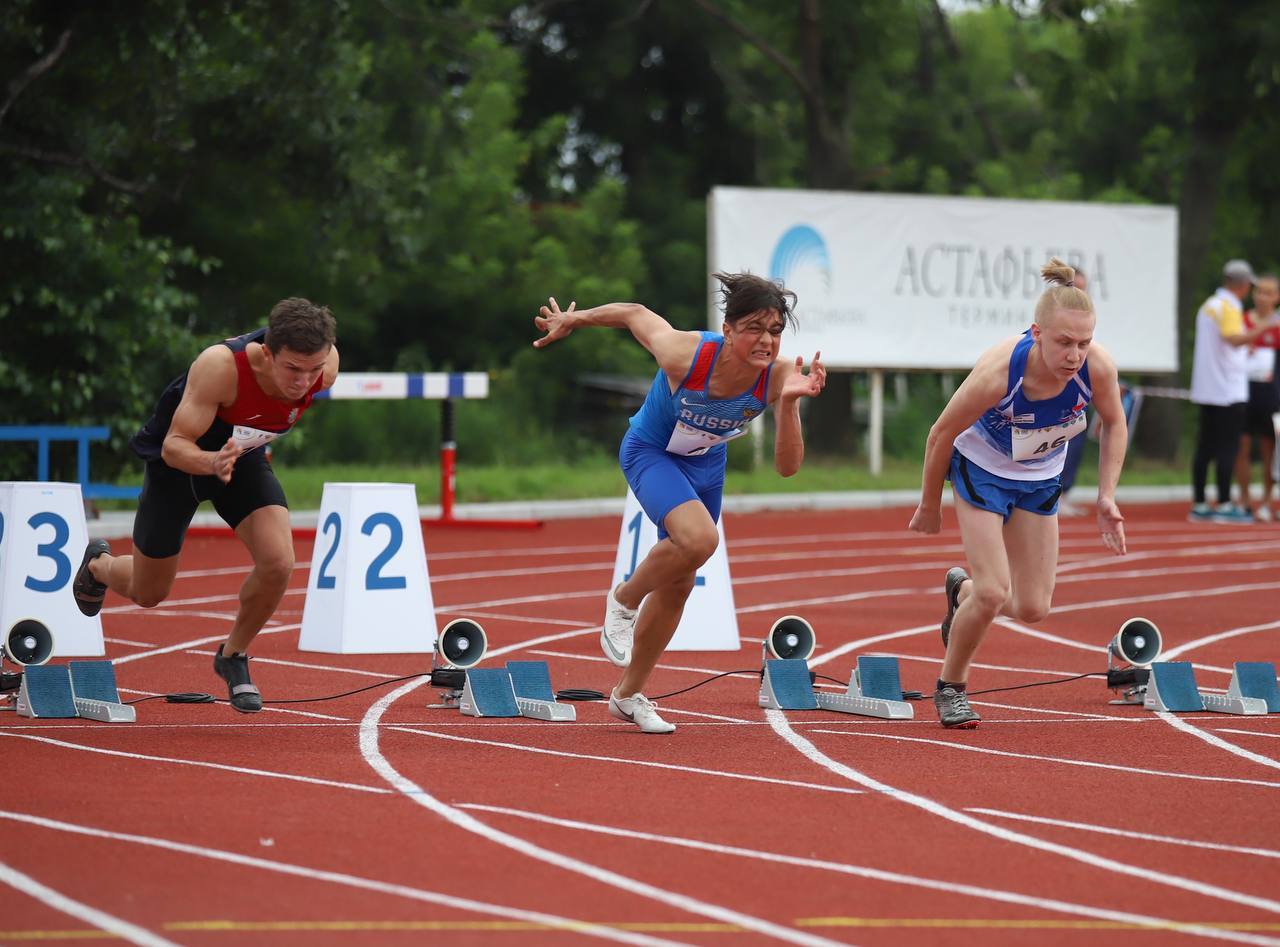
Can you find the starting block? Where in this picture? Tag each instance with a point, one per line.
(83, 689)
(1257, 680)
(93, 686)
(1173, 687)
(875, 690)
(531, 681)
(488, 692)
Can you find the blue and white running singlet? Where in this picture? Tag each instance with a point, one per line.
(1020, 439)
(689, 423)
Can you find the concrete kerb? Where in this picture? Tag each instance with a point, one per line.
(119, 524)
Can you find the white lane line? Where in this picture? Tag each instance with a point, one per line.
(1080, 716)
(874, 874)
(128, 643)
(372, 754)
(243, 770)
(1197, 550)
(1248, 733)
(530, 619)
(802, 745)
(626, 761)
(874, 639)
(194, 643)
(351, 881)
(99, 919)
(307, 666)
(1080, 645)
(1219, 636)
(1137, 770)
(1169, 596)
(1217, 742)
(1126, 833)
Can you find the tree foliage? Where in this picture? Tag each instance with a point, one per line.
(433, 169)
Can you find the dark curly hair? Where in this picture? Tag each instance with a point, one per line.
(300, 326)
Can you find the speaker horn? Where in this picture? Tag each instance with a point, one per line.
(790, 637)
(462, 644)
(28, 642)
(1137, 642)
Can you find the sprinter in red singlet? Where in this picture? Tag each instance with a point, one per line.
(205, 442)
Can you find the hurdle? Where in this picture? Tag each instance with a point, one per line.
(434, 386)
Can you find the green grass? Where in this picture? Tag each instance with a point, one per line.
(599, 477)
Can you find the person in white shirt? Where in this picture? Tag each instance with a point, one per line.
(1220, 386)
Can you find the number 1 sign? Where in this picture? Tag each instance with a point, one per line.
(368, 592)
(710, 622)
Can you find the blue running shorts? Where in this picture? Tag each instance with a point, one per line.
(662, 481)
(1000, 495)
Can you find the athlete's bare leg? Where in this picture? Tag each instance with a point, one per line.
(982, 598)
(267, 535)
(663, 582)
(1026, 564)
(141, 579)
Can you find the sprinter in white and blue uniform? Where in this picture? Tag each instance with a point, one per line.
(708, 388)
(1002, 442)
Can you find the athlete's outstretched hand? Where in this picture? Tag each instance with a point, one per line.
(1111, 525)
(553, 322)
(224, 461)
(800, 385)
(926, 521)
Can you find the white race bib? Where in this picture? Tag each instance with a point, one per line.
(247, 438)
(688, 441)
(1033, 444)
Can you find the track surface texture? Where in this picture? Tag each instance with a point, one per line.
(376, 819)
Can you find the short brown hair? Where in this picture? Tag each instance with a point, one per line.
(742, 294)
(301, 326)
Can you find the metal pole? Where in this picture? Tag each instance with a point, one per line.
(876, 433)
(448, 459)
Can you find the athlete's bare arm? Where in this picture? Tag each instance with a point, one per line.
(981, 391)
(789, 383)
(1112, 445)
(211, 382)
(673, 349)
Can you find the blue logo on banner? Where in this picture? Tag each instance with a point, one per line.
(800, 248)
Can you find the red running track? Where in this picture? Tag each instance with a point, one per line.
(374, 819)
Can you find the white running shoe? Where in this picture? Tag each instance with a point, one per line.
(619, 632)
(639, 710)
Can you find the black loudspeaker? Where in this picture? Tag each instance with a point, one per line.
(791, 637)
(28, 642)
(461, 644)
(1137, 642)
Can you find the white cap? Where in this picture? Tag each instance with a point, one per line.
(1236, 270)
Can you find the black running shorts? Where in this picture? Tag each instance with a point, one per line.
(170, 497)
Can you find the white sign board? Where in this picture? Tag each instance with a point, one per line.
(42, 540)
(368, 591)
(907, 281)
(710, 621)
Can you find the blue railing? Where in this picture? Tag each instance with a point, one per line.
(45, 434)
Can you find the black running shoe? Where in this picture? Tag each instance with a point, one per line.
(955, 575)
(89, 592)
(244, 696)
(954, 710)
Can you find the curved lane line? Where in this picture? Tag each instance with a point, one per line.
(90, 915)
(860, 871)
(351, 881)
(780, 726)
(373, 756)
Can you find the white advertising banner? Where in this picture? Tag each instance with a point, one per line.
(909, 281)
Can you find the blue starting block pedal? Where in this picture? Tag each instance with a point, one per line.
(93, 687)
(1256, 679)
(786, 685)
(875, 690)
(1173, 687)
(488, 693)
(46, 692)
(531, 681)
